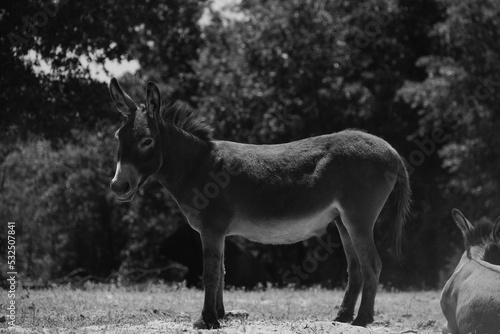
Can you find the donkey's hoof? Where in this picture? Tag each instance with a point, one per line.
(206, 324)
(344, 317)
(236, 314)
(221, 314)
(362, 321)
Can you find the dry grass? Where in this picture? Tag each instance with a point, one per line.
(161, 308)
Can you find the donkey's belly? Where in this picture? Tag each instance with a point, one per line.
(284, 230)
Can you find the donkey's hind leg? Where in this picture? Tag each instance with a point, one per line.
(219, 305)
(355, 281)
(360, 229)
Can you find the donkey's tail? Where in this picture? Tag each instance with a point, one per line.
(403, 200)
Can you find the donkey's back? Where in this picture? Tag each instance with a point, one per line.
(315, 156)
(471, 298)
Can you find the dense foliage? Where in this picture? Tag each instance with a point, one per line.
(424, 75)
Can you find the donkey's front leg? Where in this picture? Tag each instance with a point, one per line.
(213, 254)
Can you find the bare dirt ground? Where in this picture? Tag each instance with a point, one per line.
(164, 309)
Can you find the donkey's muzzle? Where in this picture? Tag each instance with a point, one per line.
(125, 182)
(120, 187)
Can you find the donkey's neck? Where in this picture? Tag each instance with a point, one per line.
(476, 253)
(182, 154)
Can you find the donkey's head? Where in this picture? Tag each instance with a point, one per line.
(139, 151)
(482, 240)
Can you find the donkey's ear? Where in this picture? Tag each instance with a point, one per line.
(153, 100)
(123, 102)
(461, 221)
(496, 231)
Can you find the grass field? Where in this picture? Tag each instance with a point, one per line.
(166, 309)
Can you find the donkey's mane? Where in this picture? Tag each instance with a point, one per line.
(480, 233)
(492, 253)
(183, 117)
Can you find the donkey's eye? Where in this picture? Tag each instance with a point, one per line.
(146, 142)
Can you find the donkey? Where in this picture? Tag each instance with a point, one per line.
(274, 194)
(470, 300)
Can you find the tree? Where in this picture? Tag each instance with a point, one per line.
(458, 97)
(60, 187)
(159, 34)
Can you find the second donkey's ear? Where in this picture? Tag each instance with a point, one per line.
(153, 100)
(122, 101)
(496, 231)
(461, 221)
